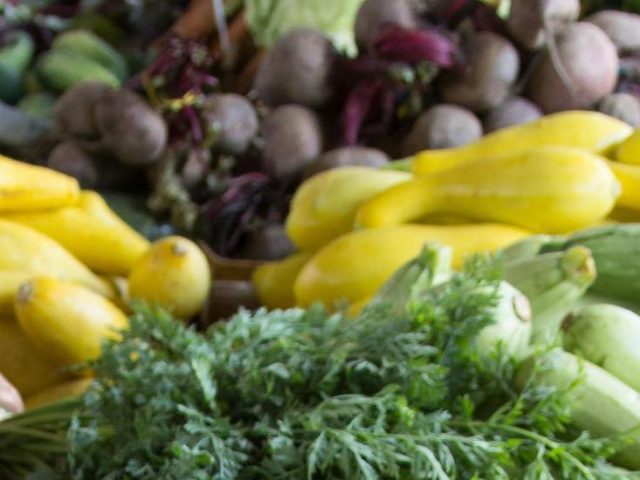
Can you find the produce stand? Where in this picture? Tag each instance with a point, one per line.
(321, 239)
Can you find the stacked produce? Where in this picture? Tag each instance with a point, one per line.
(471, 310)
(547, 176)
(442, 376)
(69, 266)
(191, 108)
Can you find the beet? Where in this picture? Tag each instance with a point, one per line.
(348, 156)
(226, 298)
(582, 72)
(374, 15)
(624, 106)
(514, 111)
(621, 27)
(233, 120)
(74, 112)
(292, 140)
(130, 128)
(297, 69)
(531, 21)
(492, 68)
(442, 126)
(67, 157)
(269, 243)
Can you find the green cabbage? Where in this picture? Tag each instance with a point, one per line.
(270, 19)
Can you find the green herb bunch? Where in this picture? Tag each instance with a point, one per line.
(304, 394)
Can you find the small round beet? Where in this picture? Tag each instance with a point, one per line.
(623, 106)
(514, 111)
(67, 157)
(530, 22)
(583, 70)
(492, 68)
(292, 139)
(297, 69)
(130, 127)
(226, 298)
(622, 28)
(348, 156)
(234, 121)
(269, 243)
(73, 113)
(442, 126)
(374, 15)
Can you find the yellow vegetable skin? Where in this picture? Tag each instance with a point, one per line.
(93, 203)
(23, 249)
(356, 307)
(324, 207)
(175, 274)
(629, 150)
(592, 131)
(66, 320)
(102, 246)
(24, 364)
(58, 392)
(629, 178)
(274, 280)
(29, 187)
(549, 189)
(356, 265)
(10, 282)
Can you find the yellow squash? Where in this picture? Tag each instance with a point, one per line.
(29, 187)
(10, 281)
(66, 320)
(548, 189)
(175, 274)
(23, 249)
(324, 206)
(103, 246)
(593, 131)
(59, 392)
(629, 178)
(355, 266)
(274, 280)
(93, 203)
(629, 150)
(24, 364)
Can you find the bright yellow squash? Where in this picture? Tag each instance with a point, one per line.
(175, 274)
(356, 265)
(29, 187)
(324, 207)
(274, 280)
(10, 282)
(94, 204)
(67, 321)
(592, 131)
(629, 178)
(103, 246)
(23, 249)
(24, 364)
(549, 189)
(59, 392)
(629, 150)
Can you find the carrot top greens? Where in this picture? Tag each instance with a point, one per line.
(392, 394)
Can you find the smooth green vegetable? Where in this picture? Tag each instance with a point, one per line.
(608, 336)
(89, 45)
(553, 282)
(597, 401)
(62, 69)
(615, 250)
